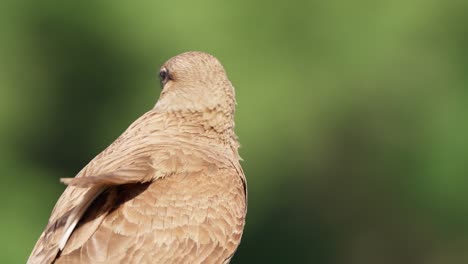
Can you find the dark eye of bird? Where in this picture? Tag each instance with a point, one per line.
(163, 76)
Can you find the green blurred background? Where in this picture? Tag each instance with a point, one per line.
(352, 116)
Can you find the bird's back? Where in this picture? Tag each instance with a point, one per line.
(193, 217)
(191, 211)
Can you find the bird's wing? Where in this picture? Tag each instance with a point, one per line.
(125, 159)
(195, 215)
(139, 171)
(76, 199)
(190, 217)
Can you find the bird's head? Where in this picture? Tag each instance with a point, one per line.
(195, 81)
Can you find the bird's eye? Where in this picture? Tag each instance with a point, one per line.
(163, 76)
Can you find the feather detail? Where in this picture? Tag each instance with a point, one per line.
(139, 171)
(78, 212)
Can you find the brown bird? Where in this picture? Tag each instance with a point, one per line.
(170, 189)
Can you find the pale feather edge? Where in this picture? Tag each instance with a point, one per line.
(78, 213)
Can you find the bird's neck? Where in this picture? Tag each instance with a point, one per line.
(210, 127)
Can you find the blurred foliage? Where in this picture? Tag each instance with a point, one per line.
(351, 114)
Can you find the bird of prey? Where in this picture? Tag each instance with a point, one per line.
(170, 189)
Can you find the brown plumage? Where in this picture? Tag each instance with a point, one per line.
(170, 189)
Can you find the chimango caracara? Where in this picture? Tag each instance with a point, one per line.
(170, 189)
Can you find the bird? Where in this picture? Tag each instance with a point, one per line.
(170, 189)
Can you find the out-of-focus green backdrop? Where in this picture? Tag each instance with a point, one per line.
(352, 116)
